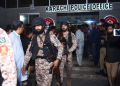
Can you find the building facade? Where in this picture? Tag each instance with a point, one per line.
(7, 16)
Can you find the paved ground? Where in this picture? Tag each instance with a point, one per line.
(81, 76)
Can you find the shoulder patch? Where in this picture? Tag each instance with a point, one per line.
(2, 40)
(4, 49)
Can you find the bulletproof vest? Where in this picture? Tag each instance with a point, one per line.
(48, 48)
(69, 40)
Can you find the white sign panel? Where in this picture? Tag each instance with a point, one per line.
(80, 7)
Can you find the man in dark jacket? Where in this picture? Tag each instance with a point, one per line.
(86, 41)
(112, 55)
(102, 42)
(94, 42)
(25, 43)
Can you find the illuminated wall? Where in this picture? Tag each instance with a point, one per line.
(13, 13)
(78, 17)
(115, 12)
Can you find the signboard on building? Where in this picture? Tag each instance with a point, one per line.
(111, 19)
(48, 21)
(80, 7)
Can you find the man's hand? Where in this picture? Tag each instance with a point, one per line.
(77, 47)
(55, 64)
(63, 44)
(31, 67)
(23, 69)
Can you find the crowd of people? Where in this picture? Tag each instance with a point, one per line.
(49, 51)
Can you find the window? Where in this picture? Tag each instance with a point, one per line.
(28, 17)
(58, 2)
(11, 3)
(24, 18)
(41, 2)
(78, 18)
(96, 1)
(2, 3)
(25, 3)
(77, 1)
(114, 0)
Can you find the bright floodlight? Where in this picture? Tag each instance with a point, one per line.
(89, 21)
(22, 18)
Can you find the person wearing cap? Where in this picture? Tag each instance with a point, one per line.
(103, 45)
(69, 44)
(8, 72)
(100, 33)
(37, 50)
(18, 49)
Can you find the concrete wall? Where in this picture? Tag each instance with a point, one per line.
(2, 17)
(13, 14)
(115, 12)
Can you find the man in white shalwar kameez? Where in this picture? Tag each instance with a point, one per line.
(80, 44)
(18, 50)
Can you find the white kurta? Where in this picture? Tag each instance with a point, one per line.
(80, 42)
(18, 54)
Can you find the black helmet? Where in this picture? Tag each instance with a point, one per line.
(64, 23)
(38, 21)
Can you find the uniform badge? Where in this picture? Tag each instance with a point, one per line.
(3, 49)
(2, 40)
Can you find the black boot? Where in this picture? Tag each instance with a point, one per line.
(101, 72)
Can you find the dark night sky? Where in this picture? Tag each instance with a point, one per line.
(25, 3)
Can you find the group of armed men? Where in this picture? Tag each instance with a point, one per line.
(45, 46)
(50, 52)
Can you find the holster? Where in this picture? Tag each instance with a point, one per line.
(49, 59)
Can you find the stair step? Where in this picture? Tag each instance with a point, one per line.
(83, 72)
(82, 82)
(83, 63)
(85, 69)
(90, 77)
